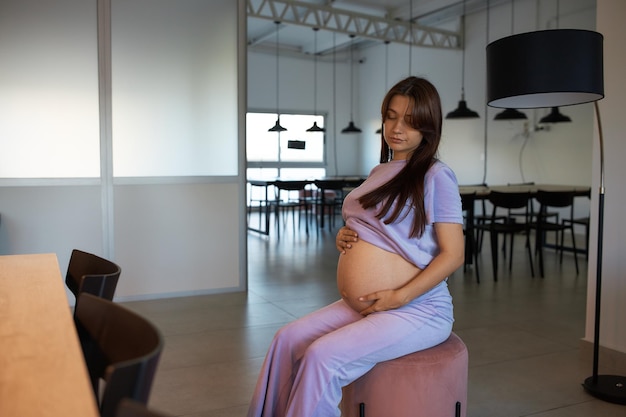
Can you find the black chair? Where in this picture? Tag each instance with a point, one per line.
(121, 349)
(130, 408)
(329, 200)
(91, 274)
(584, 222)
(542, 224)
(508, 201)
(483, 217)
(296, 199)
(468, 201)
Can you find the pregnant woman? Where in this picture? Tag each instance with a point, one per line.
(403, 238)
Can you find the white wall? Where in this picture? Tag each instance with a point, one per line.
(178, 239)
(50, 219)
(612, 329)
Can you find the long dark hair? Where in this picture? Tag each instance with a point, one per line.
(408, 186)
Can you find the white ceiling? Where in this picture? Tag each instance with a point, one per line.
(439, 18)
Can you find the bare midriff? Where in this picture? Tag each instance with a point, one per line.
(365, 269)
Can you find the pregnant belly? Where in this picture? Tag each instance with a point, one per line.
(366, 268)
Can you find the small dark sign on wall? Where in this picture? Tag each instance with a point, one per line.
(296, 144)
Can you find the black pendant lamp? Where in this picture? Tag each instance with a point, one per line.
(277, 127)
(555, 116)
(552, 68)
(462, 111)
(351, 128)
(315, 127)
(511, 114)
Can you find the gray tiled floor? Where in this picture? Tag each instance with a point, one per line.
(522, 333)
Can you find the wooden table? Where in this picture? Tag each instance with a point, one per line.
(42, 370)
(482, 192)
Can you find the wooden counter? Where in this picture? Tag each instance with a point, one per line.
(42, 370)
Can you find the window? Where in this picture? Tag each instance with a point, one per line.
(269, 154)
(272, 149)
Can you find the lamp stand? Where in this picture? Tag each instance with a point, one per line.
(611, 388)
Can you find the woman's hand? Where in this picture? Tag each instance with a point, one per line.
(345, 238)
(383, 300)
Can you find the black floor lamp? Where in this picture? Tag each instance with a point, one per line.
(554, 68)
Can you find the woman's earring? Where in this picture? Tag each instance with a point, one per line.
(389, 154)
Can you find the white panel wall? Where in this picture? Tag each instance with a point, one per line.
(177, 235)
(612, 329)
(177, 239)
(50, 219)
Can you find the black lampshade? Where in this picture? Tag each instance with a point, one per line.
(462, 112)
(315, 128)
(277, 127)
(351, 128)
(546, 68)
(555, 116)
(510, 114)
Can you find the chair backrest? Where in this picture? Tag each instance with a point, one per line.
(555, 198)
(467, 206)
(121, 348)
(92, 274)
(330, 184)
(291, 185)
(467, 201)
(508, 200)
(130, 408)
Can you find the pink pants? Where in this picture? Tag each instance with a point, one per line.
(312, 358)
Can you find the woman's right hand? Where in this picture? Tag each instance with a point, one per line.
(345, 238)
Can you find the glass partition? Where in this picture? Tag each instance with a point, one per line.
(174, 88)
(49, 124)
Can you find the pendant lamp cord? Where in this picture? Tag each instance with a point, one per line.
(315, 73)
(463, 92)
(351, 77)
(335, 103)
(463, 56)
(277, 69)
(386, 65)
(410, 35)
(526, 135)
(557, 14)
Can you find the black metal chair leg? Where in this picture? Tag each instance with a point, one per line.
(494, 254)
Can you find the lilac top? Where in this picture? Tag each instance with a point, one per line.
(442, 203)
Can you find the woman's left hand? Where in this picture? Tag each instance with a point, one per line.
(344, 238)
(383, 300)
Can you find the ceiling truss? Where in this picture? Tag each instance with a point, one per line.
(352, 23)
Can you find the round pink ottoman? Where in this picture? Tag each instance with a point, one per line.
(429, 383)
